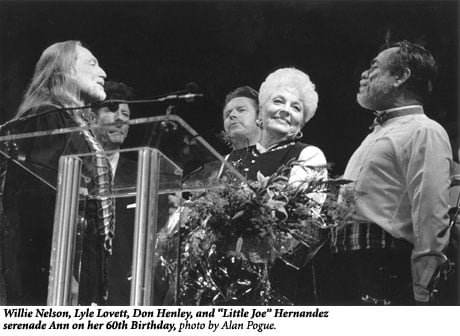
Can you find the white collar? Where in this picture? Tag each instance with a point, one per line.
(399, 108)
(260, 148)
(114, 162)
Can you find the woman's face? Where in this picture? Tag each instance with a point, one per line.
(283, 113)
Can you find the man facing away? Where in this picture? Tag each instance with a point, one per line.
(392, 252)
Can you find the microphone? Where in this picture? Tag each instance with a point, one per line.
(112, 104)
(191, 87)
(188, 95)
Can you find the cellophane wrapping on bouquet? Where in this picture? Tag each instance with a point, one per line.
(232, 234)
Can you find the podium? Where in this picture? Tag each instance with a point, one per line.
(46, 202)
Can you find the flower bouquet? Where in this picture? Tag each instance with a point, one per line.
(231, 236)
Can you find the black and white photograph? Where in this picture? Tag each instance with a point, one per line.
(228, 153)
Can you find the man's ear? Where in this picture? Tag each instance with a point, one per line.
(402, 77)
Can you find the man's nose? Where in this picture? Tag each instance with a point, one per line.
(119, 116)
(364, 74)
(233, 114)
(101, 73)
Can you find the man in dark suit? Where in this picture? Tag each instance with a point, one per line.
(124, 171)
(116, 114)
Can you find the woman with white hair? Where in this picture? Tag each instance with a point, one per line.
(288, 100)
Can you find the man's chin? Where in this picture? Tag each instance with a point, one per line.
(116, 140)
(236, 133)
(95, 96)
(363, 102)
(100, 96)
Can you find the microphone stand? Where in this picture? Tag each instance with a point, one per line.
(188, 97)
(162, 128)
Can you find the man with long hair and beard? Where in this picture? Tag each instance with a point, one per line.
(67, 77)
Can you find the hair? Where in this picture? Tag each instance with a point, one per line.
(422, 66)
(52, 82)
(118, 90)
(243, 91)
(291, 78)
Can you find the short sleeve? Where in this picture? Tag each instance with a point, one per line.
(309, 158)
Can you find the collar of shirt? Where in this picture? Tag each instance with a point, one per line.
(400, 109)
(280, 145)
(383, 116)
(114, 163)
(260, 148)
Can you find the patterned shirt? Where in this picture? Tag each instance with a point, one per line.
(101, 188)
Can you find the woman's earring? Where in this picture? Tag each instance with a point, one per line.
(299, 135)
(259, 123)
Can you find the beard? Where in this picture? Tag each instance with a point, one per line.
(92, 93)
(364, 101)
(375, 97)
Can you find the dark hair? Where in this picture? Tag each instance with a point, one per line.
(421, 63)
(114, 91)
(243, 91)
(118, 90)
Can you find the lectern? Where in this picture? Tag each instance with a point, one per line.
(162, 158)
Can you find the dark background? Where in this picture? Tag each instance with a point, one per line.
(158, 47)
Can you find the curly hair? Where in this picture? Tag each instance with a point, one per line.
(291, 78)
(421, 63)
(118, 90)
